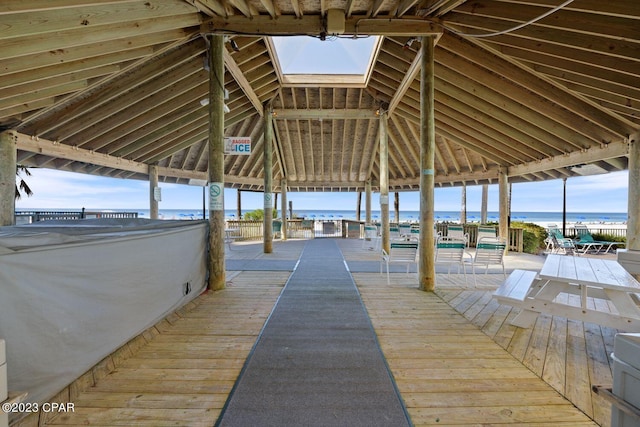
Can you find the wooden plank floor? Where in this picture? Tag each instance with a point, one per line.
(568, 355)
(183, 376)
(454, 355)
(451, 373)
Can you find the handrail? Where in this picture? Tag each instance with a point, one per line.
(304, 228)
(36, 216)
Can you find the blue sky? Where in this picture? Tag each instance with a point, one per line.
(65, 190)
(309, 55)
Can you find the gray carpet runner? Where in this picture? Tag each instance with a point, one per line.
(317, 361)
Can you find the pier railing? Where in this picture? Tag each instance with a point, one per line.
(29, 217)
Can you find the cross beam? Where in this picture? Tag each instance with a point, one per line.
(315, 25)
(318, 114)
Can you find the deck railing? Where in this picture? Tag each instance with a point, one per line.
(307, 229)
(29, 217)
(599, 229)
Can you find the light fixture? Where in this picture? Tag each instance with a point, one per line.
(408, 44)
(205, 101)
(234, 45)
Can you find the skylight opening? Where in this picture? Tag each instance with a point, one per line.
(336, 61)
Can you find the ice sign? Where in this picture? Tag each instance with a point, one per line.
(237, 145)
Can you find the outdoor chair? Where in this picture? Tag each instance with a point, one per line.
(451, 251)
(560, 244)
(231, 235)
(371, 236)
(405, 230)
(489, 251)
(414, 234)
(277, 228)
(457, 231)
(394, 233)
(400, 253)
(548, 241)
(485, 231)
(586, 242)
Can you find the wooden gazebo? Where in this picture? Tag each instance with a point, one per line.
(521, 91)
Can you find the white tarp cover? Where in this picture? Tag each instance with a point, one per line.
(72, 292)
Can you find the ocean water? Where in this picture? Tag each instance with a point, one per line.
(541, 218)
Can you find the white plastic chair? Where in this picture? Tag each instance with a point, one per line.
(400, 253)
(486, 231)
(371, 236)
(457, 231)
(489, 251)
(451, 251)
(394, 233)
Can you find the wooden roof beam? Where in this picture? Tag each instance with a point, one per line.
(126, 74)
(49, 148)
(314, 25)
(210, 7)
(324, 114)
(242, 81)
(82, 57)
(406, 82)
(243, 7)
(438, 7)
(611, 150)
(512, 70)
(72, 38)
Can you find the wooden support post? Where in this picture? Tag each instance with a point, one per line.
(564, 206)
(8, 164)
(275, 205)
(463, 208)
(396, 206)
(358, 203)
(633, 219)
(384, 181)
(154, 194)
(503, 194)
(367, 202)
(484, 206)
(239, 205)
(216, 162)
(268, 180)
(283, 204)
(426, 264)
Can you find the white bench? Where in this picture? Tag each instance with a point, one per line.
(514, 292)
(516, 288)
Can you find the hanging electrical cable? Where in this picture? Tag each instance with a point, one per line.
(544, 15)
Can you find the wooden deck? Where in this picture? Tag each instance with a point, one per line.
(183, 375)
(454, 355)
(569, 355)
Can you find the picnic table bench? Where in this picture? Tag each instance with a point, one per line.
(554, 289)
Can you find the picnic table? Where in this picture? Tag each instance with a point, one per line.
(587, 289)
